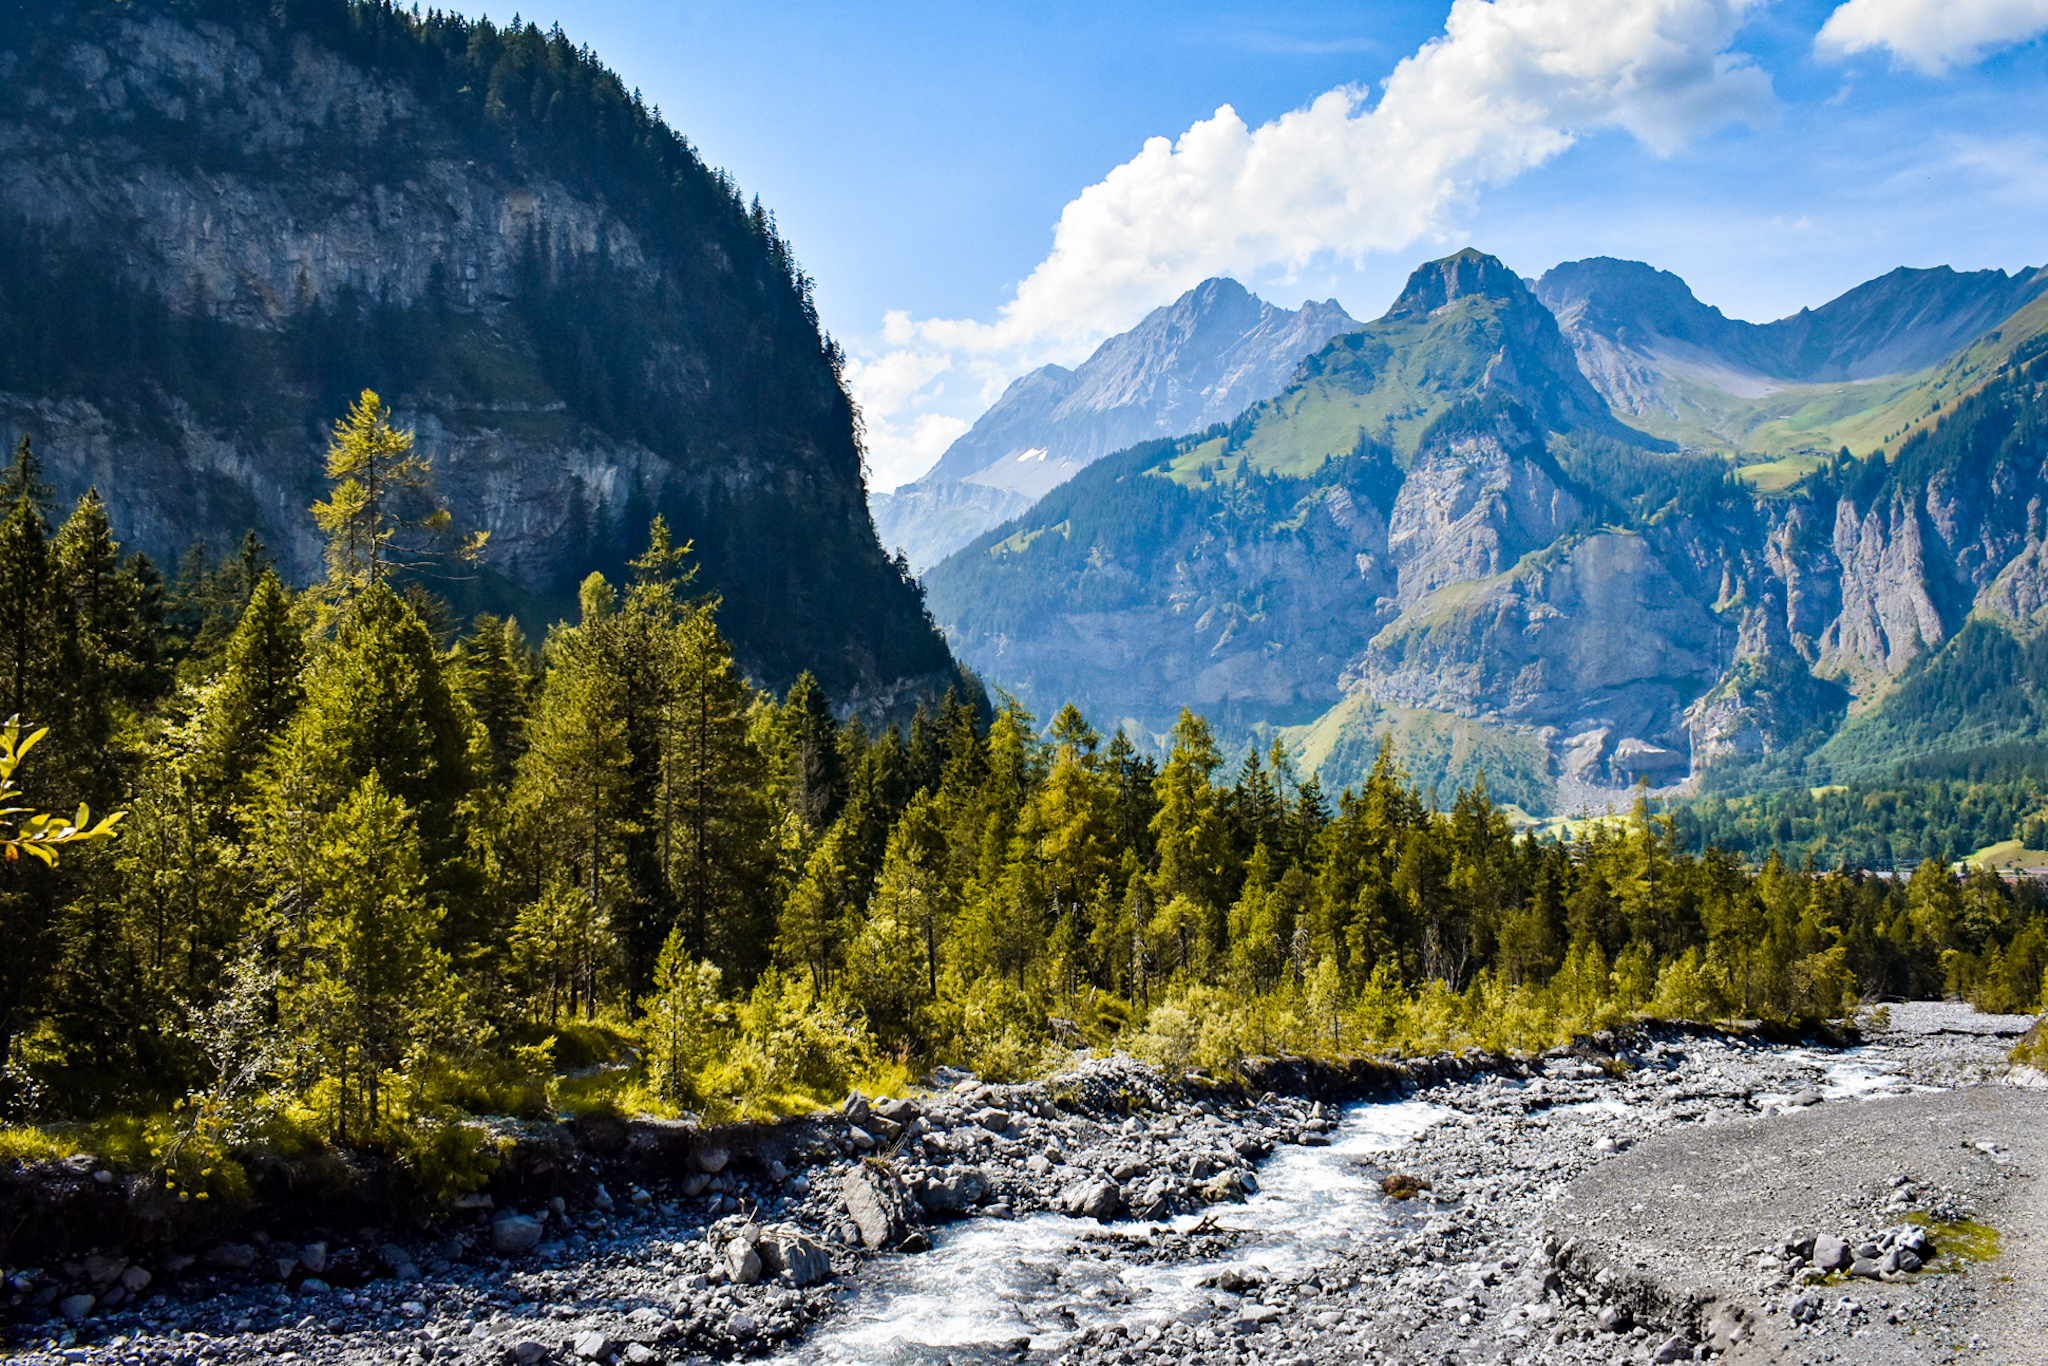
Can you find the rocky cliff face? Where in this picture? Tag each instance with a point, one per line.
(220, 225)
(1510, 579)
(1198, 361)
(1202, 359)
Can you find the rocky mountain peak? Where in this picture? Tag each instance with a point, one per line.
(1458, 276)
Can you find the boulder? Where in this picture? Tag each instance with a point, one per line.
(878, 1202)
(74, 1307)
(1092, 1198)
(592, 1345)
(1675, 1348)
(897, 1111)
(714, 1160)
(103, 1270)
(230, 1257)
(959, 1188)
(514, 1234)
(313, 1257)
(743, 1262)
(800, 1257)
(527, 1353)
(135, 1280)
(1830, 1253)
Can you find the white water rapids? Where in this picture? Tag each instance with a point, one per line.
(989, 1283)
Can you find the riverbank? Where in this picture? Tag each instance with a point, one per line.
(1104, 1216)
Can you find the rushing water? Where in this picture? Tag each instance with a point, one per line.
(989, 1283)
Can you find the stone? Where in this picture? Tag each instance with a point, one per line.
(1091, 1198)
(713, 1160)
(1905, 1259)
(1830, 1253)
(899, 1111)
(527, 1353)
(1257, 1313)
(743, 1262)
(992, 1119)
(856, 1107)
(879, 1203)
(1864, 1267)
(515, 1234)
(313, 1285)
(742, 1326)
(74, 1307)
(1675, 1348)
(592, 1345)
(695, 1184)
(1797, 1244)
(230, 1257)
(639, 1353)
(860, 1138)
(602, 1201)
(795, 1255)
(1228, 1186)
(1805, 1099)
(102, 1270)
(393, 1256)
(313, 1257)
(135, 1279)
(1612, 1318)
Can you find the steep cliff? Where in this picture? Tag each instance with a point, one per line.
(219, 219)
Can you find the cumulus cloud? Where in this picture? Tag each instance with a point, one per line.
(1506, 87)
(1933, 35)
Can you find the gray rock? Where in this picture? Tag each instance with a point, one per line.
(103, 1270)
(695, 1183)
(878, 1202)
(313, 1285)
(743, 1262)
(1612, 1317)
(713, 1160)
(856, 1107)
(860, 1138)
(898, 1111)
(1864, 1267)
(742, 1326)
(787, 1252)
(135, 1279)
(1674, 1349)
(74, 1307)
(592, 1345)
(527, 1353)
(515, 1234)
(230, 1257)
(639, 1353)
(313, 1257)
(1797, 1244)
(1805, 1099)
(1092, 1198)
(1830, 1253)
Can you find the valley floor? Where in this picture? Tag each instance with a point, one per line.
(1632, 1200)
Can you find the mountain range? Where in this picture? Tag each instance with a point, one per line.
(1453, 527)
(1199, 360)
(220, 220)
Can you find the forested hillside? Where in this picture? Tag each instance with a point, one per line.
(222, 219)
(366, 884)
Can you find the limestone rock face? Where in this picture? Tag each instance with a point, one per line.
(1469, 509)
(257, 219)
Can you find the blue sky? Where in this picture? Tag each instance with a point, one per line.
(920, 157)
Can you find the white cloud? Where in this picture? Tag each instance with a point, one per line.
(1933, 35)
(1508, 85)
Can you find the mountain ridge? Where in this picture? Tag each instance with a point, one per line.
(220, 224)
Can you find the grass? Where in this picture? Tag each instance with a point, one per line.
(2007, 854)
(1959, 1243)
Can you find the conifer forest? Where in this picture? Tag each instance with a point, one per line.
(378, 870)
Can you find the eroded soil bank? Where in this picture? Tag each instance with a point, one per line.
(1629, 1200)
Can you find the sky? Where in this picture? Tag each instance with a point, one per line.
(979, 190)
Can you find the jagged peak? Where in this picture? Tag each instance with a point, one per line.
(1460, 275)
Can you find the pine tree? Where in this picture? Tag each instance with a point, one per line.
(816, 778)
(383, 496)
(493, 670)
(367, 975)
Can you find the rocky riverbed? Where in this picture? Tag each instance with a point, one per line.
(1671, 1194)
